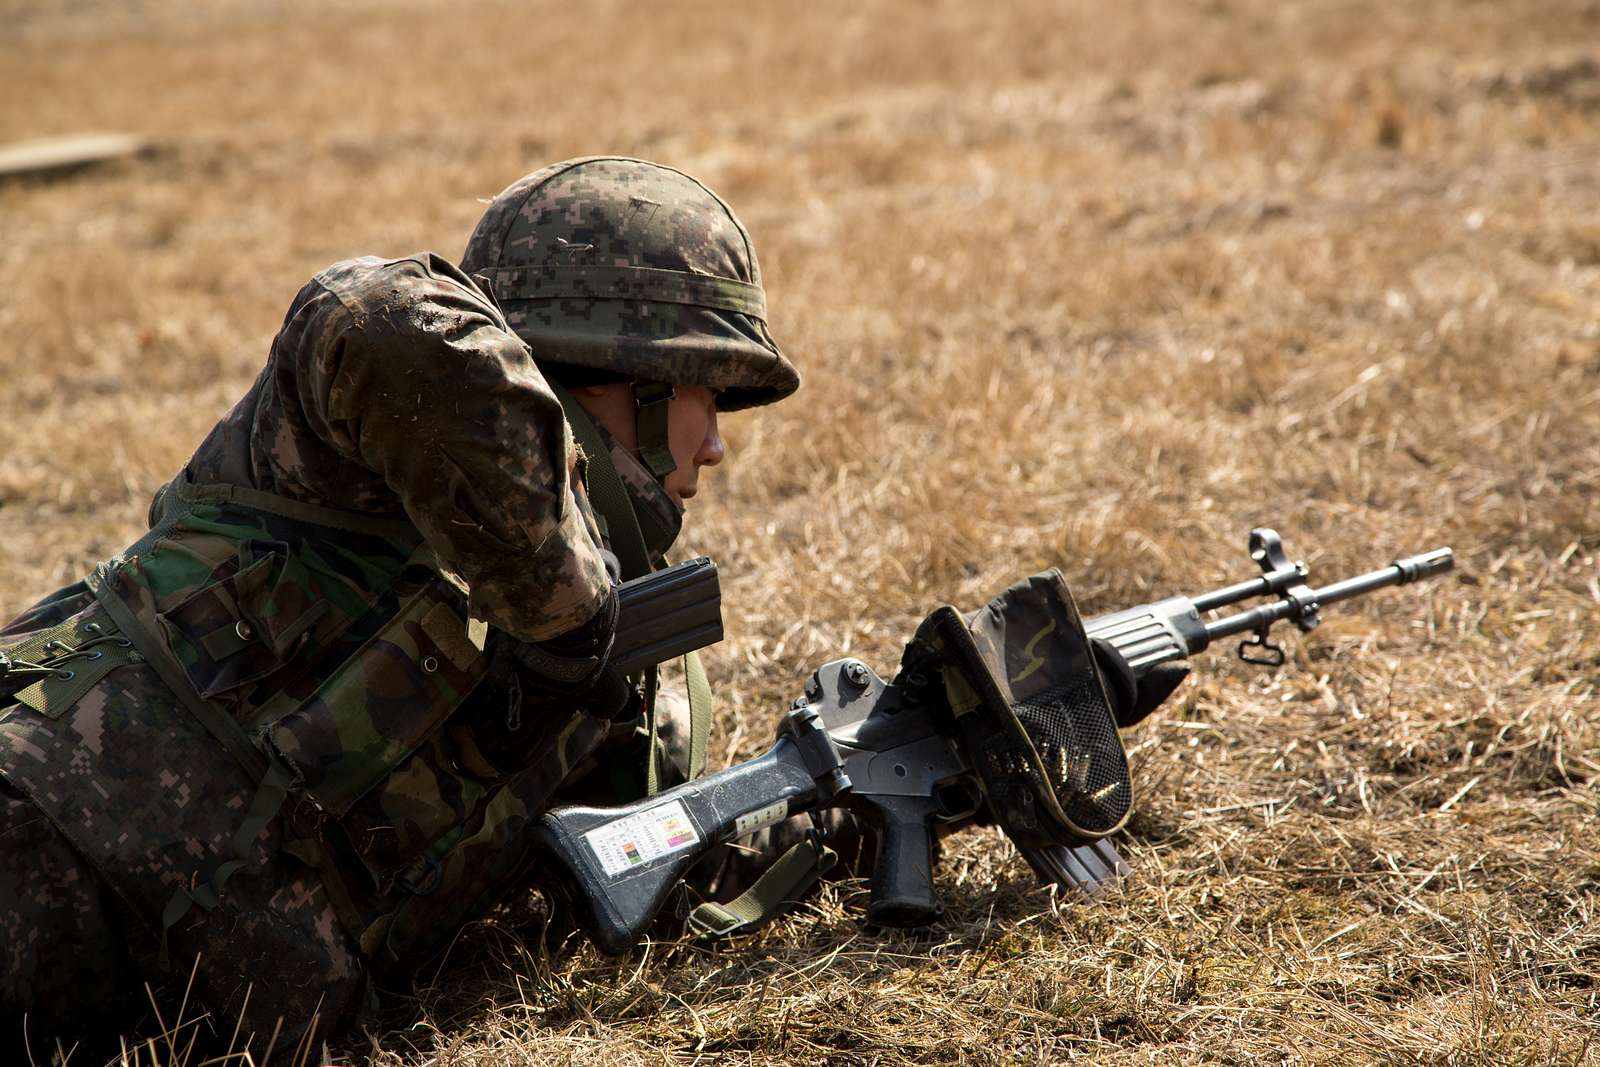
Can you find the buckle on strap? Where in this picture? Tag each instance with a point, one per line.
(713, 920)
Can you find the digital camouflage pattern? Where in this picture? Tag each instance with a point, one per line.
(286, 641)
(275, 768)
(52, 899)
(395, 389)
(144, 794)
(634, 267)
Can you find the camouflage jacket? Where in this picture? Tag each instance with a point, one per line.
(396, 389)
(296, 715)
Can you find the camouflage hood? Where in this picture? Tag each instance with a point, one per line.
(632, 267)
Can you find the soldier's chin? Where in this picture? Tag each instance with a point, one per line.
(681, 495)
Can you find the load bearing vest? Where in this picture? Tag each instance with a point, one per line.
(320, 653)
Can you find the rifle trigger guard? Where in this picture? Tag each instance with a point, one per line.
(1275, 656)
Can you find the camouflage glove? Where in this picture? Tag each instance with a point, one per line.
(531, 691)
(1029, 707)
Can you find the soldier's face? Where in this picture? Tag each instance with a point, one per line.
(692, 435)
(691, 429)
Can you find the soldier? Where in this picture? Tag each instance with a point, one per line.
(292, 738)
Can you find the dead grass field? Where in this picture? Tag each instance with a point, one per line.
(1072, 284)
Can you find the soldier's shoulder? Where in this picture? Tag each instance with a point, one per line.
(365, 284)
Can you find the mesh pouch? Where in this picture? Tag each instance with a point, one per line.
(1032, 712)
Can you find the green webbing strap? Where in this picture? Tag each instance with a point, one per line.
(610, 498)
(39, 644)
(273, 778)
(61, 664)
(780, 888)
(694, 675)
(221, 725)
(400, 530)
(655, 451)
(607, 494)
(652, 751)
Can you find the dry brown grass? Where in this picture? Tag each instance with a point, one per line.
(1095, 286)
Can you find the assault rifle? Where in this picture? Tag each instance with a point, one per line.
(854, 740)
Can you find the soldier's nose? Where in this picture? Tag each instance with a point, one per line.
(711, 449)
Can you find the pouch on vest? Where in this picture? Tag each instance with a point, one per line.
(399, 841)
(382, 702)
(247, 622)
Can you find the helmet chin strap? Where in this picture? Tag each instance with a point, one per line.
(650, 402)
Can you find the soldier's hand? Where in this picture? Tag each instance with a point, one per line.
(575, 665)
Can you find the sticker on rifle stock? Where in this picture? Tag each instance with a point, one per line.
(761, 818)
(642, 838)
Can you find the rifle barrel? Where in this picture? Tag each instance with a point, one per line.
(1221, 598)
(1400, 572)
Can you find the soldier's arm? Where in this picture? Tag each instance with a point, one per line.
(412, 374)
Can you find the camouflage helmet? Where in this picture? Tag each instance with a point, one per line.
(632, 268)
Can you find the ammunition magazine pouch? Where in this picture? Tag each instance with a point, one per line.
(1030, 709)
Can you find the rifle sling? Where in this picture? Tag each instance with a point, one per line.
(609, 497)
(694, 674)
(777, 890)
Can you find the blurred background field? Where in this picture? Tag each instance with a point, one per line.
(1071, 284)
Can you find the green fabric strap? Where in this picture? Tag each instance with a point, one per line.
(221, 725)
(653, 756)
(694, 674)
(779, 889)
(65, 661)
(400, 530)
(655, 450)
(41, 643)
(264, 807)
(610, 498)
(606, 492)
